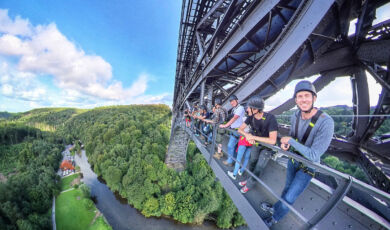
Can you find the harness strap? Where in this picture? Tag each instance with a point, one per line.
(304, 168)
(309, 128)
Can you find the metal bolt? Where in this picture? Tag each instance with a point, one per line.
(334, 222)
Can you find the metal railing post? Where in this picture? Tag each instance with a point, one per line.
(215, 127)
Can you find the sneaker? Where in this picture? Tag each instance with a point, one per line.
(244, 189)
(230, 173)
(227, 163)
(239, 172)
(267, 207)
(242, 183)
(269, 221)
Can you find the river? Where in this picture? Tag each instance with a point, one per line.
(123, 216)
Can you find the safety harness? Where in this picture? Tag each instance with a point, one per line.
(312, 123)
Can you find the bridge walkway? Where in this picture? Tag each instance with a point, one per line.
(322, 205)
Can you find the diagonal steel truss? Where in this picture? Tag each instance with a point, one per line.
(248, 47)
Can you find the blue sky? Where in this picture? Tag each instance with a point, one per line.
(93, 53)
(87, 53)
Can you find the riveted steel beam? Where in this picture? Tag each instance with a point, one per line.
(288, 43)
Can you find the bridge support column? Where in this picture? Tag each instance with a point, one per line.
(202, 89)
(177, 149)
(210, 97)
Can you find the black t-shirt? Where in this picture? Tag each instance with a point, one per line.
(264, 126)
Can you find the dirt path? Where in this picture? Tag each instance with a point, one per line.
(67, 190)
(98, 213)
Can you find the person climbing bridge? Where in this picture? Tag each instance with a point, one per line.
(219, 116)
(263, 128)
(310, 135)
(196, 121)
(205, 128)
(187, 117)
(235, 122)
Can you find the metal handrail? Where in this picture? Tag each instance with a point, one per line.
(345, 182)
(329, 171)
(304, 219)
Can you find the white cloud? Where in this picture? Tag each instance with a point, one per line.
(7, 89)
(14, 27)
(20, 85)
(338, 92)
(29, 52)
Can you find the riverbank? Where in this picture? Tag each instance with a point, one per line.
(119, 214)
(73, 208)
(76, 212)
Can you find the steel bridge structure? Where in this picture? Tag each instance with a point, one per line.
(257, 47)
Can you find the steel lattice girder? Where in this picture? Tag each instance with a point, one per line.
(325, 50)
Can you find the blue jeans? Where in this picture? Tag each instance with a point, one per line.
(242, 150)
(233, 140)
(296, 183)
(261, 163)
(210, 137)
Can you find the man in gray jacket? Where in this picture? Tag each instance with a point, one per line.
(311, 133)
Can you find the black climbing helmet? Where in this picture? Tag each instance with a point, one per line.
(256, 102)
(305, 86)
(233, 97)
(218, 101)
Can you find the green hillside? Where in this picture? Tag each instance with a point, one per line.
(5, 115)
(126, 145)
(29, 159)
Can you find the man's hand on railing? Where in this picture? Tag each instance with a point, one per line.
(250, 138)
(285, 147)
(284, 143)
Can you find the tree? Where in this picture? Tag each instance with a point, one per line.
(168, 203)
(85, 190)
(113, 177)
(151, 207)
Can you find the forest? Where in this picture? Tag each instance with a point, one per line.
(126, 146)
(29, 159)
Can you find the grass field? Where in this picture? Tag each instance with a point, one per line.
(99, 225)
(72, 214)
(65, 182)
